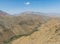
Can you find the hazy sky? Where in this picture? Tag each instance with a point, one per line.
(17, 6)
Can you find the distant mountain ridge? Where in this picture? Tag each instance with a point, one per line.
(30, 12)
(3, 13)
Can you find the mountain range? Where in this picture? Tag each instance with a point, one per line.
(27, 25)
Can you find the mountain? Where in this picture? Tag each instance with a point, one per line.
(2, 13)
(13, 27)
(29, 28)
(48, 33)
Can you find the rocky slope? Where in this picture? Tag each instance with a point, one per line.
(12, 27)
(48, 33)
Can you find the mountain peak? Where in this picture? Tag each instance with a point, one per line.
(31, 13)
(2, 13)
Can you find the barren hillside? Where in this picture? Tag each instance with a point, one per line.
(13, 27)
(48, 33)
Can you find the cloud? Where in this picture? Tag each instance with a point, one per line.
(27, 3)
